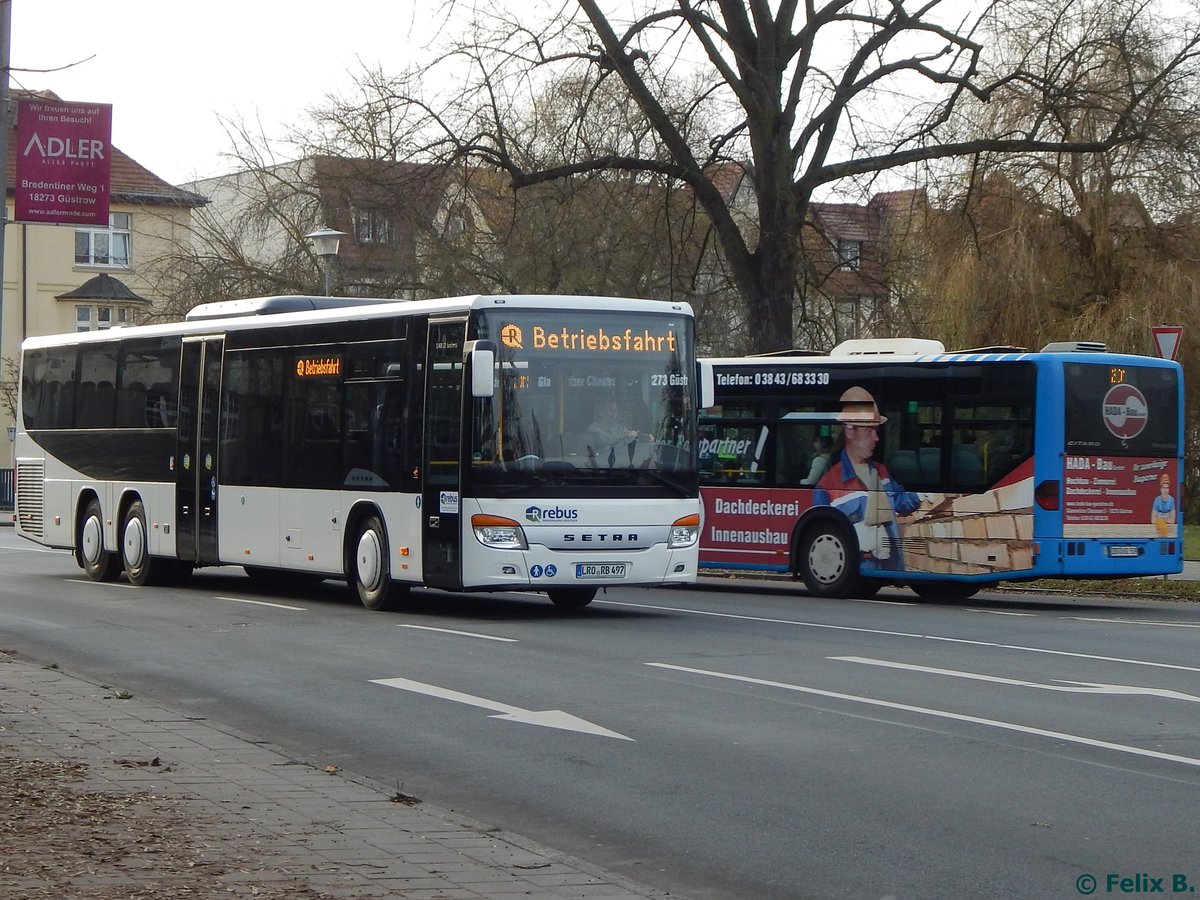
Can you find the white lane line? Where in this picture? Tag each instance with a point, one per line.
(1132, 622)
(471, 634)
(942, 714)
(906, 634)
(108, 584)
(1000, 612)
(263, 603)
(1060, 684)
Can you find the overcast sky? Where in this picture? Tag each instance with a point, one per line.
(173, 70)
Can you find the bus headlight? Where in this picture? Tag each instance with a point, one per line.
(499, 532)
(684, 532)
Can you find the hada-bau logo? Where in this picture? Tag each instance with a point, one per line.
(554, 514)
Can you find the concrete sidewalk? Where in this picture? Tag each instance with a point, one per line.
(181, 808)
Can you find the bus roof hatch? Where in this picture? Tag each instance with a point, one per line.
(888, 347)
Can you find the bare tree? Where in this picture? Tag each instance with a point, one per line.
(807, 96)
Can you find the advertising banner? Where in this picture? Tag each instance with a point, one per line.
(63, 162)
(1114, 496)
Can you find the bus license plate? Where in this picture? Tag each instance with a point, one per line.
(1122, 551)
(601, 570)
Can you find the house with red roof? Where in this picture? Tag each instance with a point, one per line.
(396, 217)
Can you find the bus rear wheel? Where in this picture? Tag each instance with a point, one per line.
(140, 567)
(827, 559)
(944, 591)
(369, 572)
(571, 598)
(97, 563)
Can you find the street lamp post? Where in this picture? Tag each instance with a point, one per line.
(325, 243)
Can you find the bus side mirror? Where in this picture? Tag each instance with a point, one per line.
(483, 369)
(704, 378)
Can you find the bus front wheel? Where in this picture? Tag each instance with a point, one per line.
(370, 573)
(97, 563)
(827, 558)
(571, 598)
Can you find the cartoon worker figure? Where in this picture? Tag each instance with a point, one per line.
(861, 487)
(1162, 510)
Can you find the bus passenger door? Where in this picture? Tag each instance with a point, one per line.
(440, 501)
(196, 456)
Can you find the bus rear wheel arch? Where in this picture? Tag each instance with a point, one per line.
(97, 563)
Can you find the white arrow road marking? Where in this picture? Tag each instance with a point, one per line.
(472, 634)
(1070, 687)
(942, 714)
(549, 718)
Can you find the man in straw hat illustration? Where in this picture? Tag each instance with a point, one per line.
(1162, 511)
(861, 487)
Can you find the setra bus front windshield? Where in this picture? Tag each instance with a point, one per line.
(586, 398)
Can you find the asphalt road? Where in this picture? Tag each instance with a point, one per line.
(731, 740)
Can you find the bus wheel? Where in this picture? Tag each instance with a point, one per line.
(140, 567)
(370, 573)
(571, 598)
(98, 563)
(944, 591)
(827, 563)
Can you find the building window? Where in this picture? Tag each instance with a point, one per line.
(98, 318)
(857, 317)
(849, 255)
(372, 226)
(460, 223)
(111, 246)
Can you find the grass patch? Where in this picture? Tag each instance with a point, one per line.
(1191, 541)
(1166, 588)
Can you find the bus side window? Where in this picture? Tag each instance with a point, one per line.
(904, 466)
(966, 465)
(802, 454)
(731, 453)
(929, 460)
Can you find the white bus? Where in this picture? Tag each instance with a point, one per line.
(447, 443)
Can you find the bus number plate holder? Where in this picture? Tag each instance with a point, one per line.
(1123, 550)
(586, 571)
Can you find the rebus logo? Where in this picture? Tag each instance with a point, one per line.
(65, 148)
(511, 337)
(554, 514)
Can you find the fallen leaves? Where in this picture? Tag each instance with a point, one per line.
(60, 839)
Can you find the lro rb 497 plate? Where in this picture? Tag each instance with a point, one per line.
(601, 570)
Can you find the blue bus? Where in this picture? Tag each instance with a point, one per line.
(897, 462)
